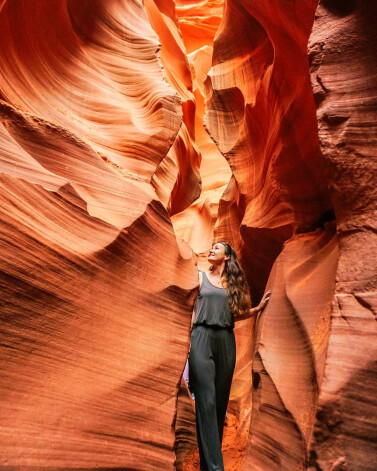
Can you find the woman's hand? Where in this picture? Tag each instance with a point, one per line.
(264, 300)
(255, 310)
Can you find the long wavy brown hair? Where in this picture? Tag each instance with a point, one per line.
(238, 289)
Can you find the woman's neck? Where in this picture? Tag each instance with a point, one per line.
(218, 271)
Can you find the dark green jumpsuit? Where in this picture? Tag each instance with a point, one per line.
(212, 360)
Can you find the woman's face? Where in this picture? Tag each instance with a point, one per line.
(217, 254)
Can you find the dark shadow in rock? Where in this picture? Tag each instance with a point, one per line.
(339, 8)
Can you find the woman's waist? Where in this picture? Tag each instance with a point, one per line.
(212, 326)
(215, 317)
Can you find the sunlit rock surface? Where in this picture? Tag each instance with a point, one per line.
(198, 22)
(133, 133)
(177, 179)
(266, 127)
(95, 315)
(291, 342)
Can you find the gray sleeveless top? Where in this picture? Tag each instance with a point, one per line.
(212, 305)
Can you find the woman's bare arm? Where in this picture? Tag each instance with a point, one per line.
(255, 310)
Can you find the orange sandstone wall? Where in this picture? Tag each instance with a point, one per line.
(261, 113)
(133, 133)
(198, 21)
(95, 293)
(314, 351)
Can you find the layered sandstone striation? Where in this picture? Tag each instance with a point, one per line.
(95, 315)
(261, 113)
(133, 133)
(344, 77)
(285, 186)
(291, 346)
(198, 21)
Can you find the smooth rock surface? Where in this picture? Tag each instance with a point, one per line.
(133, 134)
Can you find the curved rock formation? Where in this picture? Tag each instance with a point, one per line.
(198, 22)
(267, 129)
(176, 180)
(265, 126)
(94, 314)
(343, 70)
(132, 134)
(292, 338)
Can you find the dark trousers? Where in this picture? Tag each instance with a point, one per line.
(212, 360)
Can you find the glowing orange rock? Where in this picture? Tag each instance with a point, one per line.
(132, 132)
(260, 111)
(93, 311)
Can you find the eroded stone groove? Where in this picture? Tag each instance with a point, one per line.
(132, 132)
(278, 198)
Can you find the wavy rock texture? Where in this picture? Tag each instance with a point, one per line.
(176, 180)
(94, 314)
(292, 339)
(261, 113)
(198, 22)
(186, 31)
(344, 70)
(112, 190)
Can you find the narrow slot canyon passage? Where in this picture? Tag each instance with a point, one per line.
(196, 170)
(134, 134)
(276, 198)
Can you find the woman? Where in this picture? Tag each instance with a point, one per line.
(222, 299)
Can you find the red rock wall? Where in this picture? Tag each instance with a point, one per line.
(109, 181)
(342, 52)
(177, 180)
(261, 113)
(291, 345)
(266, 127)
(313, 362)
(95, 295)
(198, 21)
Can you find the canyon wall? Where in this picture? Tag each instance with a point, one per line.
(133, 134)
(343, 66)
(261, 113)
(96, 294)
(286, 188)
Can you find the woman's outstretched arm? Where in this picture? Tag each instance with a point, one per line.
(254, 310)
